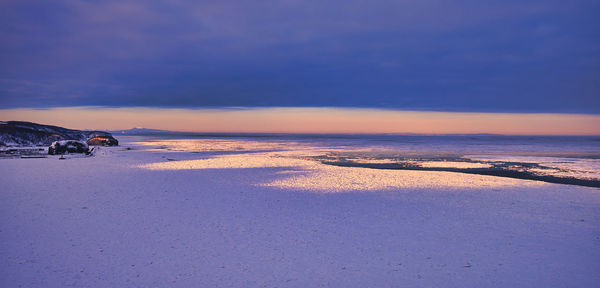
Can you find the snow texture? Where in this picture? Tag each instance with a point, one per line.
(150, 217)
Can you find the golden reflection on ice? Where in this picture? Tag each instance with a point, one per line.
(229, 162)
(218, 145)
(453, 164)
(372, 161)
(332, 179)
(313, 176)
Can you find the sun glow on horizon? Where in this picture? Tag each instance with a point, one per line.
(310, 120)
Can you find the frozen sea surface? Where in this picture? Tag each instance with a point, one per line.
(554, 159)
(267, 212)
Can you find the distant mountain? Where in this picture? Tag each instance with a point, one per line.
(141, 131)
(19, 133)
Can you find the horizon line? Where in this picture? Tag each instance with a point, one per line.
(175, 132)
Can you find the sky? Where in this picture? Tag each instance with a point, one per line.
(473, 56)
(311, 120)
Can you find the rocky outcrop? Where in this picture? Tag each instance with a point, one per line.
(19, 134)
(68, 146)
(103, 141)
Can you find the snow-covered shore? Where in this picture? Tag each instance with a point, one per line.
(154, 218)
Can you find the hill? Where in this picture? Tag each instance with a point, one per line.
(20, 133)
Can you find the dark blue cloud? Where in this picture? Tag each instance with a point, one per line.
(534, 56)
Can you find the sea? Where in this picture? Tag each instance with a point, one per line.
(573, 160)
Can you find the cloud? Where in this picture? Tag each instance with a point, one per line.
(431, 55)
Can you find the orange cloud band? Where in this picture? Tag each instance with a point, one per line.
(310, 120)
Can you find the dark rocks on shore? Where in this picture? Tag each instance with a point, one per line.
(68, 146)
(103, 141)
